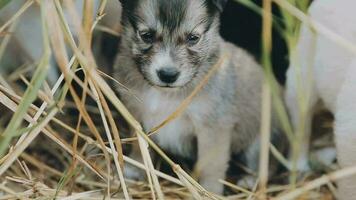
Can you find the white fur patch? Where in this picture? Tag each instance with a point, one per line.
(157, 107)
(334, 82)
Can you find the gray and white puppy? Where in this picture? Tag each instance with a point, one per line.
(167, 48)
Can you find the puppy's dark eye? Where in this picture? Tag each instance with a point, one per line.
(147, 36)
(193, 39)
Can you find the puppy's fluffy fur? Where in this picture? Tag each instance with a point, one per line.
(184, 35)
(327, 72)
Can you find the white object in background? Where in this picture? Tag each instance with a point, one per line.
(333, 72)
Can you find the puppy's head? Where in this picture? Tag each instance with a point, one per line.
(171, 40)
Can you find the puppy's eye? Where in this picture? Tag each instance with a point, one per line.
(193, 39)
(147, 36)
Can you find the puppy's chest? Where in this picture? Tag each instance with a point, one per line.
(176, 136)
(156, 107)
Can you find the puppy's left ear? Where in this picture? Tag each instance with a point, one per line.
(127, 3)
(220, 4)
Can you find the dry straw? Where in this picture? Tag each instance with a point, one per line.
(20, 171)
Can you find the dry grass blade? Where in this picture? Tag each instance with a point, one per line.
(90, 71)
(102, 7)
(9, 191)
(266, 98)
(13, 106)
(84, 44)
(57, 40)
(158, 173)
(278, 155)
(4, 82)
(16, 15)
(153, 180)
(115, 131)
(70, 150)
(83, 195)
(190, 187)
(88, 20)
(111, 143)
(342, 173)
(40, 165)
(25, 143)
(238, 188)
(29, 96)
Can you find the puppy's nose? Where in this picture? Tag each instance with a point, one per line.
(168, 75)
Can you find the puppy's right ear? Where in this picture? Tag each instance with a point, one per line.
(128, 5)
(128, 15)
(123, 2)
(126, 2)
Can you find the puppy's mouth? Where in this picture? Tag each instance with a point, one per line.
(167, 87)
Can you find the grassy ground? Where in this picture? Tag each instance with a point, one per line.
(62, 142)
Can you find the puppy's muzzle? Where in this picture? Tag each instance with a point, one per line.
(168, 75)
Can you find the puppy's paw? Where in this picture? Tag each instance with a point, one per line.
(302, 164)
(247, 182)
(326, 156)
(134, 173)
(211, 185)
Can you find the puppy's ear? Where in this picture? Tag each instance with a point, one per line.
(219, 4)
(126, 3)
(123, 2)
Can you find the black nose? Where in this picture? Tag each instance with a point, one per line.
(168, 75)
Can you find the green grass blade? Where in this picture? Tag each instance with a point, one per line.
(3, 3)
(30, 95)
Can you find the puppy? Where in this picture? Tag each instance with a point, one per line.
(166, 49)
(323, 70)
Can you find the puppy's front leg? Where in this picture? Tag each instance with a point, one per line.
(213, 157)
(133, 172)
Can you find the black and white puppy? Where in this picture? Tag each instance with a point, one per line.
(167, 48)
